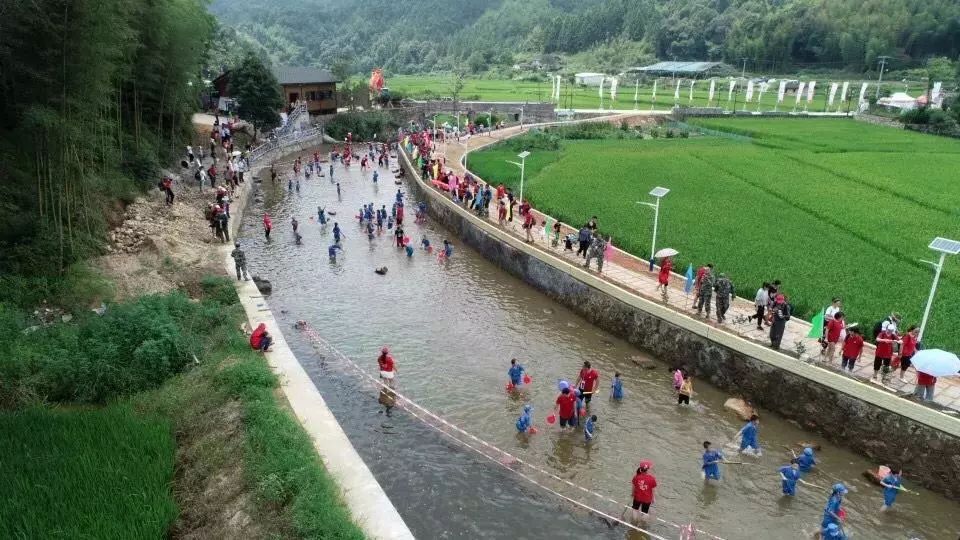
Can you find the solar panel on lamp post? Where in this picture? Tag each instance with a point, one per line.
(658, 193)
(945, 247)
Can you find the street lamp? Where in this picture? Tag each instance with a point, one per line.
(658, 193)
(945, 247)
(523, 160)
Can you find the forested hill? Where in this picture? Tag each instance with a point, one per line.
(422, 35)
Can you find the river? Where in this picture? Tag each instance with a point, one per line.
(453, 328)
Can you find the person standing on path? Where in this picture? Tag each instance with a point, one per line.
(663, 278)
(528, 223)
(724, 290)
(831, 336)
(908, 347)
(167, 185)
(781, 314)
(883, 355)
(597, 250)
(760, 301)
(925, 386)
(240, 259)
(696, 282)
(852, 349)
(583, 237)
(706, 283)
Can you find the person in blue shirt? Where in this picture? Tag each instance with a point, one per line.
(409, 249)
(332, 252)
(336, 232)
(789, 475)
(748, 435)
(399, 196)
(832, 532)
(516, 372)
(375, 176)
(891, 487)
(525, 422)
(589, 427)
(425, 244)
(806, 461)
(831, 512)
(711, 462)
(447, 249)
(616, 387)
(322, 215)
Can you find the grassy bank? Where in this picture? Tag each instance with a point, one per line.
(831, 207)
(156, 420)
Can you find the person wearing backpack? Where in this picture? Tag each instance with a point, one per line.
(781, 314)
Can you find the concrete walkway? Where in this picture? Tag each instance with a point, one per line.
(631, 273)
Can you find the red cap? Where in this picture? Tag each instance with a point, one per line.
(646, 464)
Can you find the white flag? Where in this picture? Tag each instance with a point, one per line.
(863, 91)
(763, 88)
(691, 89)
(800, 91)
(833, 94)
(602, 79)
(613, 88)
(636, 90)
(733, 84)
(810, 91)
(558, 87)
(749, 91)
(843, 93)
(781, 91)
(654, 89)
(713, 86)
(676, 93)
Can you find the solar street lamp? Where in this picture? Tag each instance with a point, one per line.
(658, 193)
(523, 160)
(945, 247)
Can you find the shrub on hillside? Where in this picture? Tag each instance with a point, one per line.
(363, 125)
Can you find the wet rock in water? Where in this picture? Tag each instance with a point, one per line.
(263, 285)
(381, 271)
(572, 325)
(548, 311)
(643, 362)
(743, 409)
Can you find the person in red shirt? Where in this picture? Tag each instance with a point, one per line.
(566, 408)
(908, 347)
(587, 381)
(663, 278)
(643, 486)
(925, 384)
(835, 327)
(388, 368)
(852, 349)
(167, 185)
(885, 341)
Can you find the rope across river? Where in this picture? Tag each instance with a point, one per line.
(485, 449)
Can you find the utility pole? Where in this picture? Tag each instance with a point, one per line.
(882, 60)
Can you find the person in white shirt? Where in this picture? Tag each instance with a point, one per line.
(761, 300)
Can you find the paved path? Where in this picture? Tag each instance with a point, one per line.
(632, 274)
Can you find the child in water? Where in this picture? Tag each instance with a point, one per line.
(748, 436)
(686, 390)
(616, 387)
(525, 422)
(711, 462)
(409, 250)
(515, 373)
(425, 244)
(589, 427)
(789, 475)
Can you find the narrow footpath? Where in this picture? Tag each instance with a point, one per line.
(632, 274)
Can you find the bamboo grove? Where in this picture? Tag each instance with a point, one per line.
(94, 96)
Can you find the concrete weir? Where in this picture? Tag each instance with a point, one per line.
(869, 420)
(369, 505)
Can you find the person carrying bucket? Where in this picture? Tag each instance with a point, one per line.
(834, 507)
(517, 375)
(643, 485)
(525, 422)
(587, 381)
(566, 404)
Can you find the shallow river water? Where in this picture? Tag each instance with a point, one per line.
(453, 328)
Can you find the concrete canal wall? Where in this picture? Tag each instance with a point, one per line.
(868, 420)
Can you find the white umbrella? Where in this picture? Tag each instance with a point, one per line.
(936, 363)
(665, 252)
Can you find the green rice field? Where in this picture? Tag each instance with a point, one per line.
(831, 207)
(579, 97)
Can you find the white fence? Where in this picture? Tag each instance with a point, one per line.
(284, 141)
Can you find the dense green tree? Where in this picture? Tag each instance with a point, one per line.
(257, 93)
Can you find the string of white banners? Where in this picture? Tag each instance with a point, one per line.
(685, 530)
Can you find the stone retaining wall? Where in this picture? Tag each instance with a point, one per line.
(862, 418)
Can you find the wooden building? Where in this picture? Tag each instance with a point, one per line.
(317, 87)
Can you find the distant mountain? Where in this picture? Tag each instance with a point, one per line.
(479, 35)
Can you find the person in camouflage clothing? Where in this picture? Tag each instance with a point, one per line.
(595, 251)
(705, 291)
(724, 290)
(240, 258)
